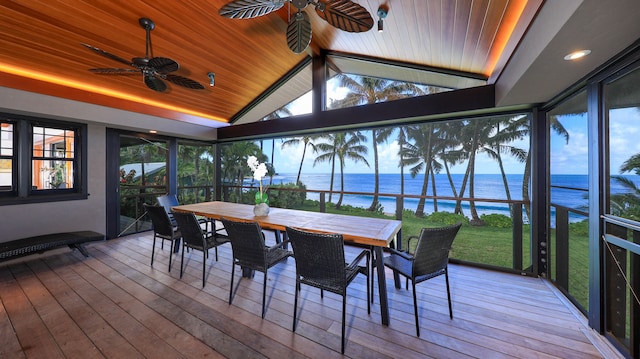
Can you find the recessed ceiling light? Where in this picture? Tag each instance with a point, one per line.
(577, 54)
(153, 131)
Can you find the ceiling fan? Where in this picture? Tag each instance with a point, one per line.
(342, 14)
(154, 69)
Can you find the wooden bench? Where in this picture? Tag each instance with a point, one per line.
(39, 244)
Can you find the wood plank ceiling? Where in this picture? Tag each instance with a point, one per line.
(41, 47)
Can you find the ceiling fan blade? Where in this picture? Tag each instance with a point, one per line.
(247, 9)
(183, 81)
(108, 55)
(155, 83)
(299, 32)
(114, 71)
(346, 15)
(163, 65)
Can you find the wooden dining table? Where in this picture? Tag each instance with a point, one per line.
(374, 232)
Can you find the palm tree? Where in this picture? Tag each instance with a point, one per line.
(328, 151)
(306, 141)
(450, 153)
(282, 112)
(524, 123)
(343, 146)
(627, 204)
(419, 155)
(368, 90)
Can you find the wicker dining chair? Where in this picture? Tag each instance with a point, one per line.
(194, 237)
(168, 201)
(162, 228)
(320, 263)
(429, 260)
(251, 253)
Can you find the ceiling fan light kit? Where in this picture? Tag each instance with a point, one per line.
(154, 70)
(345, 15)
(382, 14)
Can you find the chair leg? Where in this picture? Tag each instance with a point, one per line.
(264, 292)
(153, 249)
(233, 269)
(204, 262)
(446, 277)
(181, 262)
(369, 289)
(295, 304)
(415, 308)
(216, 250)
(344, 309)
(170, 255)
(373, 268)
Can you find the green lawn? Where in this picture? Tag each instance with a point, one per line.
(493, 245)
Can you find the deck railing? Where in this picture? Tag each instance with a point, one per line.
(518, 250)
(621, 243)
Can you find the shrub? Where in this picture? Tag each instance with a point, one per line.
(447, 218)
(497, 220)
(287, 199)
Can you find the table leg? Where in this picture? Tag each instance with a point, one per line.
(382, 286)
(247, 272)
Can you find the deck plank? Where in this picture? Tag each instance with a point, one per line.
(117, 305)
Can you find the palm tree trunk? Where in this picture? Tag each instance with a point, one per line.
(472, 204)
(304, 151)
(525, 185)
(376, 184)
(433, 190)
(333, 171)
(341, 184)
(423, 192)
(465, 179)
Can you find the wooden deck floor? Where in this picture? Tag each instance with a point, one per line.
(115, 305)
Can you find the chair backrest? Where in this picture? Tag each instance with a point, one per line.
(319, 258)
(190, 229)
(247, 242)
(159, 219)
(167, 201)
(432, 251)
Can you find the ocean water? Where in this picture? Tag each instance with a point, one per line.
(487, 186)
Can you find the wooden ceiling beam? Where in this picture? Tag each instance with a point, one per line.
(379, 114)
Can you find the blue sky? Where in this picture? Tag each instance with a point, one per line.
(566, 158)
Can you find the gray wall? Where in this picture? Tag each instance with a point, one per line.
(18, 221)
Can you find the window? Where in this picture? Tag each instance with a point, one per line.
(53, 158)
(7, 160)
(40, 160)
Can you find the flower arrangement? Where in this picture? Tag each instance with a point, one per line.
(259, 171)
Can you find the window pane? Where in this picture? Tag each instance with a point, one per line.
(622, 99)
(6, 156)
(53, 155)
(6, 139)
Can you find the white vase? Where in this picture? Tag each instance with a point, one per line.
(261, 209)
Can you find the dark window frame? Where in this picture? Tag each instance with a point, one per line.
(23, 155)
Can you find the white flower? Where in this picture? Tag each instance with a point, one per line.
(259, 169)
(253, 163)
(260, 172)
